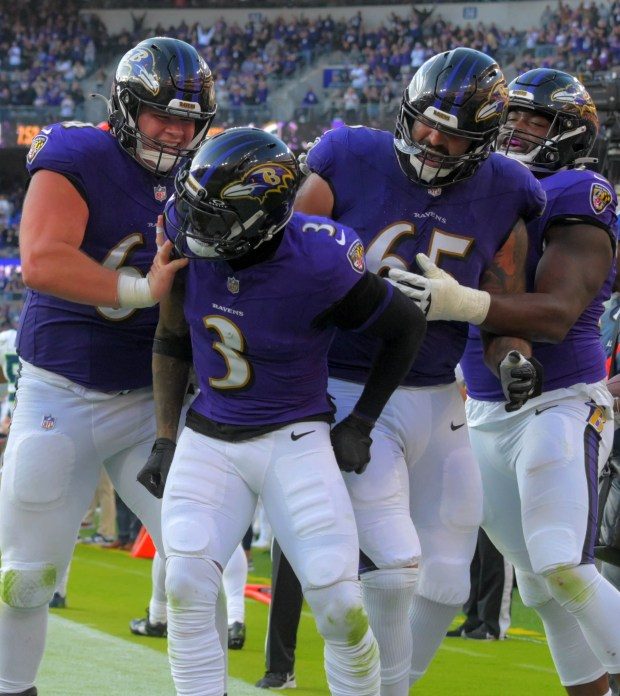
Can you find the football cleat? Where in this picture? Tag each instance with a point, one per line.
(236, 635)
(144, 627)
(277, 681)
(58, 601)
(460, 631)
(480, 633)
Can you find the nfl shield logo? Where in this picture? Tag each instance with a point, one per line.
(48, 422)
(160, 193)
(233, 285)
(434, 192)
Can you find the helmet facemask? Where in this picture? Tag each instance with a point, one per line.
(451, 168)
(551, 152)
(462, 93)
(154, 155)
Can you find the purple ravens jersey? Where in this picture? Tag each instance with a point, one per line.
(580, 357)
(259, 358)
(98, 347)
(459, 227)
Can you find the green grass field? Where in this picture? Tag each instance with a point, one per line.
(90, 649)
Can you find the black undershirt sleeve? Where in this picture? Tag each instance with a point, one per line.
(376, 309)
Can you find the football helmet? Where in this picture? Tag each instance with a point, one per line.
(235, 194)
(167, 75)
(566, 103)
(460, 92)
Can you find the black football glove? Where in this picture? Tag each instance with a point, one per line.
(154, 473)
(521, 378)
(351, 442)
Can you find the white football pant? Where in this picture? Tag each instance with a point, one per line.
(209, 502)
(61, 436)
(419, 501)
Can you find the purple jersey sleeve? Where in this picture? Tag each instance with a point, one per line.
(581, 195)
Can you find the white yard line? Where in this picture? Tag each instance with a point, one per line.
(81, 660)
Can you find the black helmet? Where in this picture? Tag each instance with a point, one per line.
(235, 194)
(460, 92)
(168, 75)
(566, 103)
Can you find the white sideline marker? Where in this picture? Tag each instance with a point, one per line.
(81, 660)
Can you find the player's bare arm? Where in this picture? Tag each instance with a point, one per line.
(506, 273)
(315, 197)
(510, 357)
(171, 361)
(51, 233)
(572, 269)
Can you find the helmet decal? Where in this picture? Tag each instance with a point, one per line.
(496, 103)
(138, 65)
(260, 182)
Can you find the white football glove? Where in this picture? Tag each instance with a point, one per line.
(439, 295)
(302, 159)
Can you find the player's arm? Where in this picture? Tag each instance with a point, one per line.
(374, 308)
(573, 268)
(315, 197)
(505, 275)
(51, 233)
(571, 271)
(172, 359)
(509, 357)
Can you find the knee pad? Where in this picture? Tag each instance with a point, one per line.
(325, 566)
(27, 585)
(444, 580)
(532, 588)
(192, 582)
(339, 612)
(573, 586)
(393, 544)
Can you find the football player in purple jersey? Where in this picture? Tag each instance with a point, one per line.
(434, 187)
(261, 299)
(88, 251)
(540, 463)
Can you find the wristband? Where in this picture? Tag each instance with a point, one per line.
(134, 292)
(474, 305)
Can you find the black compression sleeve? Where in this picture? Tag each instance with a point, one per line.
(357, 306)
(179, 347)
(401, 327)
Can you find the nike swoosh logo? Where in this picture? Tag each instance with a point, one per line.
(296, 437)
(342, 239)
(46, 131)
(456, 427)
(538, 411)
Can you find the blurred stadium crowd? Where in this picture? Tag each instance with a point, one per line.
(55, 52)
